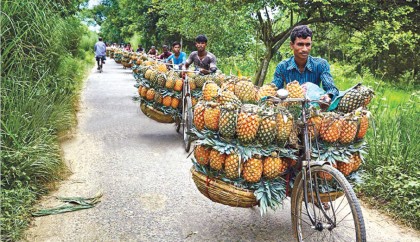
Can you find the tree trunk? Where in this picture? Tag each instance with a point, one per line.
(263, 68)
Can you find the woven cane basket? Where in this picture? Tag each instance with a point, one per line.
(222, 192)
(325, 197)
(155, 114)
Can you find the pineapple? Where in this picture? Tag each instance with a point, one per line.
(295, 90)
(160, 80)
(227, 96)
(273, 166)
(367, 93)
(210, 91)
(284, 122)
(245, 91)
(330, 128)
(227, 123)
(248, 123)
(150, 94)
(352, 100)
(170, 82)
(199, 80)
(139, 90)
(253, 169)
(175, 102)
(212, 116)
(161, 68)
(356, 160)
(348, 130)
(201, 154)
(217, 160)
(230, 85)
(199, 116)
(267, 90)
(153, 76)
(178, 85)
(148, 74)
(167, 100)
(314, 126)
(158, 98)
(232, 166)
(193, 86)
(363, 126)
(144, 92)
(268, 128)
(345, 168)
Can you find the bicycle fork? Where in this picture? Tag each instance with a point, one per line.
(306, 169)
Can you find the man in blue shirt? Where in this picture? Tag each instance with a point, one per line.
(178, 58)
(303, 67)
(100, 51)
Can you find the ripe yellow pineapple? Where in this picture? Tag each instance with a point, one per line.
(210, 91)
(212, 116)
(273, 166)
(167, 100)
(267, 90)
(232, 166)
(267, 130)
(144, 92)
(345, 168)
(295, 90)
(284, 121)
(175, 102)
(252, 170)
(148, 74)
(178, 85)
(170, 82)
(139, 90)
(226, 96)
(161, 67)
(356, 161)
(228, 85)
(227, 123)
(150, 94)
(199, 116)
(348, 130)
(216, 159)
(314, 126)
(245, 91)
(201, 154)
(363, 126)
(248, 123)
(330, 128)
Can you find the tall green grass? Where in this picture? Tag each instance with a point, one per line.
(43, 58)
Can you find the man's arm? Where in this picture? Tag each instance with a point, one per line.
(327, 80)
(279, 76)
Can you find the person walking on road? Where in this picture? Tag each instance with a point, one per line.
(100, 51)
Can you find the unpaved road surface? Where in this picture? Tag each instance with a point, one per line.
(143, 172)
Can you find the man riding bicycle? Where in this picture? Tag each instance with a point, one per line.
(100, 51)
(204, 61)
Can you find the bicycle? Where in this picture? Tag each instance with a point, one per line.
(100, 61)
(323, 203)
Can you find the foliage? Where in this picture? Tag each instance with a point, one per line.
(44, 52)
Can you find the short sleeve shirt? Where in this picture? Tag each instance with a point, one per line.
(177, 60)
(209, 61)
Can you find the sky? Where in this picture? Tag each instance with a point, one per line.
(91, 4)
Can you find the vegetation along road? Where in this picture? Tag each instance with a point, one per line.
(143, 172)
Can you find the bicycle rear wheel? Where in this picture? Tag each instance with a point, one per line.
(332, 212)
(187, 116)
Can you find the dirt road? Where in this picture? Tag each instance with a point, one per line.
(148, 194)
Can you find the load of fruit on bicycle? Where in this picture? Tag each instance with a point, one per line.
(248, 143)
(247, 147)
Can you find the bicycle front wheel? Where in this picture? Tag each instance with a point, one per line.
(331, 211)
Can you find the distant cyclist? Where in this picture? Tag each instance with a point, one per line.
(100, 51)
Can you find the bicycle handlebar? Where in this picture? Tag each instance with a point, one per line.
(278, 100)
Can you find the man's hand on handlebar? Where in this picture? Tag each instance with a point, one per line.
(326, 98)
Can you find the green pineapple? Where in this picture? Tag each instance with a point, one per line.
(268, 127)
(228, 118)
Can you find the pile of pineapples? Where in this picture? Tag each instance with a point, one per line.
(118, 55)
(246, 140)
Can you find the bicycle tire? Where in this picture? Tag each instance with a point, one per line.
(304, 230)
(187, 116)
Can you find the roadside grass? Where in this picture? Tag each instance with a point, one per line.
(44, 56)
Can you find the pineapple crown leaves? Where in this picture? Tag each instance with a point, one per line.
(330, 153)
(197, 93)
(270, 194)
